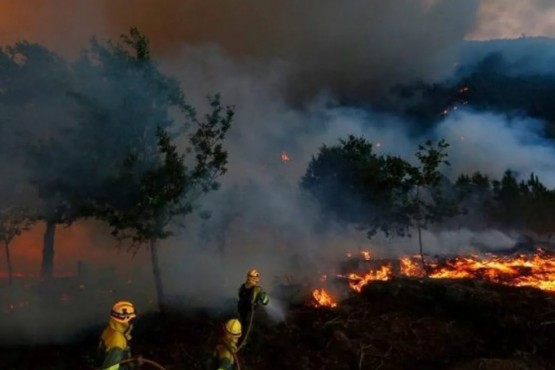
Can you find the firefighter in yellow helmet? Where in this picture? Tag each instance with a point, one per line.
(114, 341)
(251, 296)
(225, 353)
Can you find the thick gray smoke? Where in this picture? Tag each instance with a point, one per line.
(351, 48)
(255, 56)
(265, 222)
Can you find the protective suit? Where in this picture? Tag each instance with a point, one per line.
(225, 353)
(251, 296)
(114, 341)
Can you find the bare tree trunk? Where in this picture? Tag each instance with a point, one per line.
(421, 249)
(48, 250)
(157, 277)
(419, 225)
(9, 263)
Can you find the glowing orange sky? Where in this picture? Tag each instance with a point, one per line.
(67, 25)
(85, 242)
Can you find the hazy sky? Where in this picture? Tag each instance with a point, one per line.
(69, 23)
(510, 19)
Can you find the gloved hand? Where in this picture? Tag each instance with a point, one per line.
(263, 298)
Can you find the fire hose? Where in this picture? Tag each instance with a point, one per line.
(141, 361)
(244, 341)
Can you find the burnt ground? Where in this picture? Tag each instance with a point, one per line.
(399, 324)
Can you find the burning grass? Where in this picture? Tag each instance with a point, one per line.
(469, 313)
(536, 270)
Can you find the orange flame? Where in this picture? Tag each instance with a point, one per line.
(537, 271)
(323, 298)
(356, 282)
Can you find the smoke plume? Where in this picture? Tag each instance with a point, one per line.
(261, 58)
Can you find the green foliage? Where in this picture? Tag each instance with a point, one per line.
(13, 221)
(352, 182)
(509, 200)
(427, 202)
(34, 83)
(524, 206)
(168, 188)
(377, 192)
(540, 203)
(152, 182)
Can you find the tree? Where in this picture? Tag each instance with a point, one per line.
(356, 185)
(155, 183)
(509, 201)
(34, 83)
(426, 202)
(475, 197)
(539, 204)
(13, 221)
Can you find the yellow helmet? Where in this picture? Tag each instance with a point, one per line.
(253, 276)
(123, 312)
(253, 273)
(233, 327)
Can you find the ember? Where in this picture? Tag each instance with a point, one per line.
(285, 157)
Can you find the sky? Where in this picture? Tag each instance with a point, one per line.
(67, 24)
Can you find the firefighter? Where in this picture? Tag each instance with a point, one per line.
(251, 296)
(114, 341)
(225, 353)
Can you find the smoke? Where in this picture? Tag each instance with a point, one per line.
(351, 47)
(492, 143)
(259, 218)
(276, 310)
(449, 242)
(260, 58)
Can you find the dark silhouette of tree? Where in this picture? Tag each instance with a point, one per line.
(13, 221)
(357, 186)
(34, 83)
(156, 183)
(426, 203)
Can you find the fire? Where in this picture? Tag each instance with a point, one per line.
(537, 271)
(409, 267)
(285, 157)
(323, 298)
(356, 282)
(366, 255)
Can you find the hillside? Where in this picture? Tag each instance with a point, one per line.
(397, 324)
